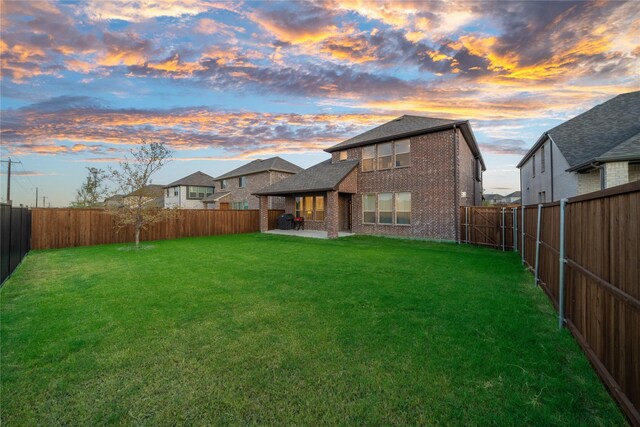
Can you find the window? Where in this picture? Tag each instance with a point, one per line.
(243, 205)
(167, 192)
(299, 207)
(385, 208)
(343, 155)
(542, 197)
(385, 155)
(369, 208)
(533, 163)
(320, 208)
(368, 158)
(542, 159)
(403, 208)
(403, 153)
(199, 192)
(242, 181)
(176, 191)
(223, 184)
(310, 208)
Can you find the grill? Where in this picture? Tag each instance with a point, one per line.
(285, 222)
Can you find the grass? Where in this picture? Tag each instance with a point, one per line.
(262, 329)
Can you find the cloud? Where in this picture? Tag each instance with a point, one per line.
(84, 126)
(141, 10)
(515, 147)
(29, 173)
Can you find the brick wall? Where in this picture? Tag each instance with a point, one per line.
(468, 185)
(589, 182)
(616, 173)
(255, 182)
(431, 180)
(634, 172)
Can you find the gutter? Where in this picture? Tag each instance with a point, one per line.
(456, 190)
(551, 159)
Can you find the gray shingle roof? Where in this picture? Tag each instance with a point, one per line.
(272, 164)
(151, 190)
(403, 125)
(595, 135)
(324, 176)
(216, 196)
(197, 179)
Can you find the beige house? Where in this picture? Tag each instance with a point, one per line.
(189, 192)
(598, 149)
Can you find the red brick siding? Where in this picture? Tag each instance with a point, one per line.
(255, 182)
(350, 183)
(466, 174)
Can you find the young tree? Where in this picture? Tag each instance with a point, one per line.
(134, 181)
(92, 191)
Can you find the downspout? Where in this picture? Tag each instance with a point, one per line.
(551, 160)
(455, 184)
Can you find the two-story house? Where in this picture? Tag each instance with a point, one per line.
(598, 149)
(407, 177)
(189, 192)
(236, 187)
(151, 195)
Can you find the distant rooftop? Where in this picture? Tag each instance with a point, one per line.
(256, 166)
(199, 179)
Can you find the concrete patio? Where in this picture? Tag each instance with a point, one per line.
(314, 234)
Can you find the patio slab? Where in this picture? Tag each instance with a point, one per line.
(314, 234)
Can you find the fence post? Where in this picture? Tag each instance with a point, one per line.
(523, 234)
(514, 211)
(562, 261)
(502, 226)
(538, 244)
(466, 224)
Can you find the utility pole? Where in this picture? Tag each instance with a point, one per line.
(43, 204)
(36, 197)
(9, 161)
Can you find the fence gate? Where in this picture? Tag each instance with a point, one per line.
(488, 226)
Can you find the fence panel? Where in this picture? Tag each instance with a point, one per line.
(16, 233)
(602, 276)
(61, 228)
(490, 226)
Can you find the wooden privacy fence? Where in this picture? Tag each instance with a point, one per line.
(585, 255)
(63, 228)
(15, 229)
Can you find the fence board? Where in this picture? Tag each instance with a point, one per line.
(61, 228)
(16, 232)
(602, 277)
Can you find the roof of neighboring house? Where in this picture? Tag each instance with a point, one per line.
(407, 126)
(151, 190)
(514, 194)
(216, 196)
(114, 198)
(199, 179)
(324, 176)
(491, 196)
(607, 132)
(260, 165)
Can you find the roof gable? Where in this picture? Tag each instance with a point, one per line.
(324, 176)
(403, 125)
(260, 165)
(196, 179)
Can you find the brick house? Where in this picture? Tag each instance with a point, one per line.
(189, 192)
(407, 177)
(236, 188)
(597, 149)
(152, 195)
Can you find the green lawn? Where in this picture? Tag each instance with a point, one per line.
(263, 329)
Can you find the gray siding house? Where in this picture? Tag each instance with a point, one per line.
(598, 149)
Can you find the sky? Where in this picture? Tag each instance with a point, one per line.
(223, 83)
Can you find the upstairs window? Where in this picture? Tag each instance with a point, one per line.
(385, 155)
(199, 192)
(533, 165)
(542, 159)
(242, 181)
(368, 158)
(403, 153)
(343, 155)
(223, 184)
(176, 191)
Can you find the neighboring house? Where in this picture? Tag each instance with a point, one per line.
(492, 199)
(596, 150)
(407, 177)
(115, 201)
(189, 192)
(236, 188)
(512, 198)
(498, 200)
(152, 195)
